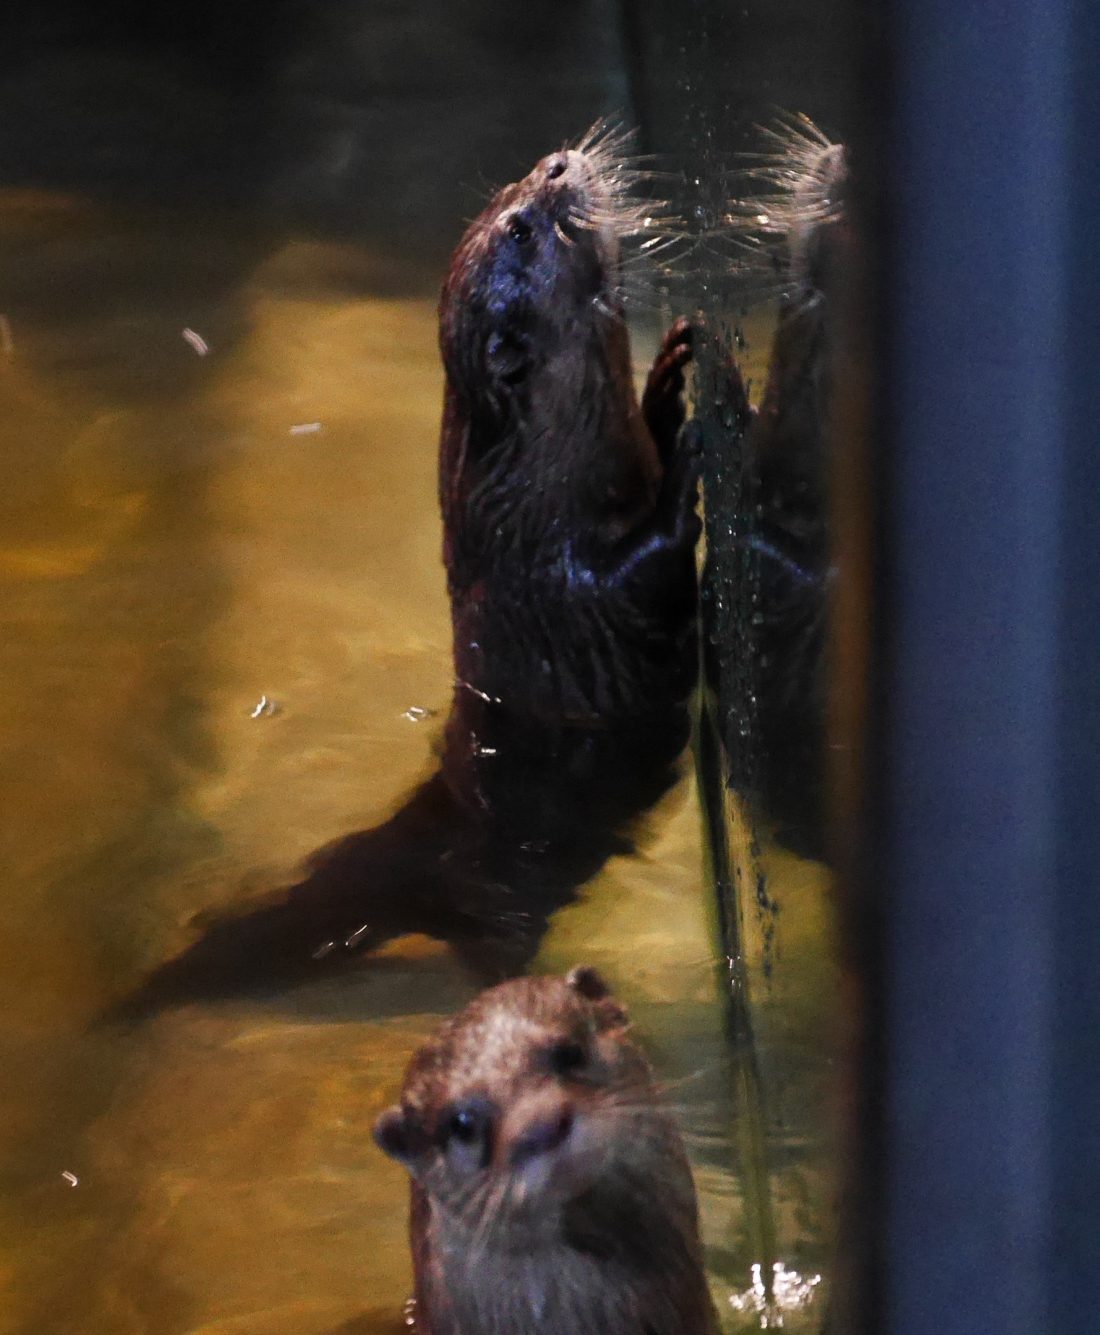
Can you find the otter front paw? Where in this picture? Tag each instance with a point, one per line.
(663, 396)
(658, 556)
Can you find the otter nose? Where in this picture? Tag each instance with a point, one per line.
(541, 1135)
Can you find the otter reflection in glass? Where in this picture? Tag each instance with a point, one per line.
(796, 234)
(569, 533)
(550, 1191)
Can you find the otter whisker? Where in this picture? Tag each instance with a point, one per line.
(797, 129)
(700, 1072)
(602, 303)
(490, 1205)
(801, 182)
(690, 1113)
(655, 246)
(623, 220)
(562, 235)
(605, 135)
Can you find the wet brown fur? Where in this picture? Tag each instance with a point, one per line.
(568, 510)
(592, 1231)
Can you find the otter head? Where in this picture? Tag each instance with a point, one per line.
(526, 1103)
(537, 273)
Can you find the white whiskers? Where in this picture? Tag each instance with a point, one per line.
(796, 187)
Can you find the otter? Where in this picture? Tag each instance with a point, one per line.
(808, 221)
(569, 517)
(789, 448)
(549, 1190)
(800, 226)
(569, 530)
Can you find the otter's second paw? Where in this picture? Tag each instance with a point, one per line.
(662, 398)
(659, 556)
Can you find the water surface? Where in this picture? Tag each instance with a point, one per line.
(217, 447)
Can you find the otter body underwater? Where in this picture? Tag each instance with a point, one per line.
(550, 1191)
(569, 533)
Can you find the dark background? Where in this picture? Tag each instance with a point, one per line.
(332, 118)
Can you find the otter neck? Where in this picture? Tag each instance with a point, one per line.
(561, 1289)
(561, 455)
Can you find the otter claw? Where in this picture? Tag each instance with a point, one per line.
(662, 398)
(680, 335)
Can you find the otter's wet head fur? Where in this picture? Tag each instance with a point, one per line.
(551, 1193)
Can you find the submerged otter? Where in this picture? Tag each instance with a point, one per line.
(550, 1192)
(569, 534)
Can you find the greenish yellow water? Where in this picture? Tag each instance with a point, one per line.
(173, 551)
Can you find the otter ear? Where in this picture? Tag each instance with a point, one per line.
(590, 984)
(391, 1135)
(507, 357)
(587, 982)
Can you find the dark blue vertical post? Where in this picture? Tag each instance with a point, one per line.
(1075, 1046)
(986, 751)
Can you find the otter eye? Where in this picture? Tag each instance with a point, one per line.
(519, 231)
(567, 1057)
(555, 168)
(464, 1126)
(465, 1135)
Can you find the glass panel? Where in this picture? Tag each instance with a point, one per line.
(228, 653)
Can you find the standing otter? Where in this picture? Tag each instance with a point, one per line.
(569, 534)
(550, 1193)
(568, 515)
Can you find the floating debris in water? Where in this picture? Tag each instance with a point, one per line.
(481, 695)
(790, 1292)
(417, 713)
(305, 428)
(325, 948)
(264, 708)
(353, 940)
(70, 1178)
(485, 750)
(7, 343)
(196, 341)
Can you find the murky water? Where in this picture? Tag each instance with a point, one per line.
(226, 642)
(190, 534)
